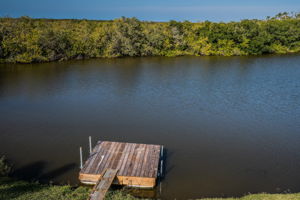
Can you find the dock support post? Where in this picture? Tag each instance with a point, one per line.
(90, 143)
(161, 169)
(80, 152)
(160, 188)
(161, 161)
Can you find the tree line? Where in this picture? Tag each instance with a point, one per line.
(27, 40)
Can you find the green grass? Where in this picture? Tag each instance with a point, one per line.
(263, 197)
(20, 190)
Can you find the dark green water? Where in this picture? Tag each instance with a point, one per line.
(231, 125)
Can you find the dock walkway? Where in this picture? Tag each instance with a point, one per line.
(103, 184)
(137, 164)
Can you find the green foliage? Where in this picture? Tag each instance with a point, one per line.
(5, 167)
(118, 195)
(126, 38)
(27, 40)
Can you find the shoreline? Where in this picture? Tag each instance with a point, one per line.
(22, 190)
(149, 57)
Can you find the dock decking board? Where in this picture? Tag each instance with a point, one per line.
(137, 164)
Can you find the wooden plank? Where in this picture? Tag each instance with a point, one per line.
(129, 156)
(123, 180)
(100, 169)
(103, 184)
(90, 160)
(117, 160)
(147, 163)
(143, 165)
(89, 178)
(96, 152)
(99, 159)
(112, 154)
(131, 162)
(139, 160)
(143, 182)
(152, 162)
(129, 151)
(123, 156)
(155, 162)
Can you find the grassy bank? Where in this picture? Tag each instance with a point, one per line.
(11, 189)
(264, 197)
(26, 40)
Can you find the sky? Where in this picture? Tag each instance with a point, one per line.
(149, 10)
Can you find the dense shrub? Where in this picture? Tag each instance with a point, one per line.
(5, 167)
(28, 40)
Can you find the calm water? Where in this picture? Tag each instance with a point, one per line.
(231, 125)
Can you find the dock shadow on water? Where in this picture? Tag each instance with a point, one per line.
(230, 124)
(37, 172)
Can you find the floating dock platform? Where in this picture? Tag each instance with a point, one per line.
(136, 165)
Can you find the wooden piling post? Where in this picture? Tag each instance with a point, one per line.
(81, 162)
(90, 143)
(161, 168)
(160, 187)
(161, 161)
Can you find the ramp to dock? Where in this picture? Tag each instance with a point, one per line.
(103, 184)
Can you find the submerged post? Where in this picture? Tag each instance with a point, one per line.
(161, 169)
(161, 161)
(80, 152)
(90, 142)
(160, 187)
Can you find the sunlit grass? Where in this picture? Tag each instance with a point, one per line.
(263, 197)
(20, 190)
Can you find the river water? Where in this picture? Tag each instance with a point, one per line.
(231, 125)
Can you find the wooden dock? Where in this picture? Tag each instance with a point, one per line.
(137, 165)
